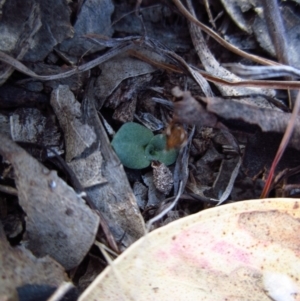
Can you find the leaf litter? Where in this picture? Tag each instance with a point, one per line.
(146, 62)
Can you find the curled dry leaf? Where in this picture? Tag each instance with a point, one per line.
(30, 125)
(155, 197)
(114, 199)
(79, 137)
(30, 32)
(188, 110)
(123, 67)
(89, 14)
(212, 66)
(58, 221)
(233, 252)
(268, 120)
(162, 177)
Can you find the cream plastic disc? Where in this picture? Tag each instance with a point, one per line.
(247, 250)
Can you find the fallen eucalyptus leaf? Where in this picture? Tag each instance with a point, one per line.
(116, 70)
(93, 16)
(114, 199)
(78, 136)
(30, 125)
(58, 222)
(212, 66)
(20, 267)
(267, 119)
(162, 177)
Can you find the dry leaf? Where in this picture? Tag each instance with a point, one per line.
(268, 120)
(30, 125)
(188, 110)
(212, 66)
(78, 136)
(115, 71)
(88, 170)
(91, 16)
(162, 177)
(114, 199)
(30, 32)
(58, 221)
(19, 267)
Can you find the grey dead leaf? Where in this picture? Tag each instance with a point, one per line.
(78, 136)
(18, 38)
(58, 222)
(28, 30)
(224, 182)
(114, 198)
(30, 125)
(257, 24)
(123, 67)
(291, 22)
(260, 72)
(268, 120)
(212, 66)
(162, 177)
(94, 16)
(88, 170)
(176, 39)
(19, 267)
(155, 197)
(236, 8)
(124, 98)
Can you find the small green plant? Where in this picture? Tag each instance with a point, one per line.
(136, 147)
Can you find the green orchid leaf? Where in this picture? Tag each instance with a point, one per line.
(129, 144)
(132, 155)
(136, 147)
(134, 133)
(156, 150)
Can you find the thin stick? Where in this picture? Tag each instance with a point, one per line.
(210, 17)
(87, 66)
(221, 41)
(282, 147)
(61, 291)
(229, 186)
(9, 190)
(272, 84)
(166, 210)
(126, 292)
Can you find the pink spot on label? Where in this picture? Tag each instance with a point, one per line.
(231, 253)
